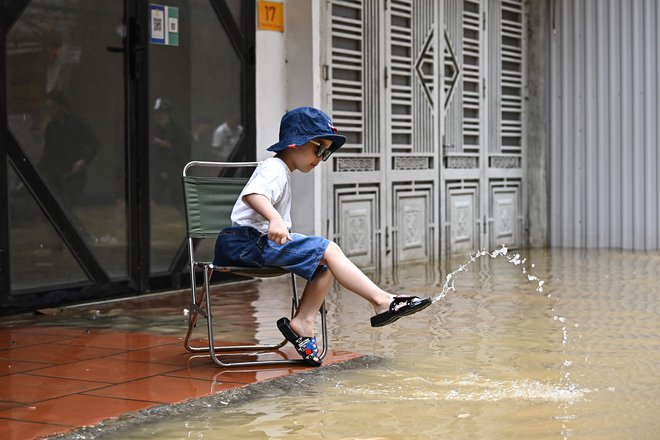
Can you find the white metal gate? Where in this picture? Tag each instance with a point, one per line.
(392, 182)
(483, 139)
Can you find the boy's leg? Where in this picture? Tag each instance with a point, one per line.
(353, 279)
(312, 298)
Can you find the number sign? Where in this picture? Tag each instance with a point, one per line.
(271, 16)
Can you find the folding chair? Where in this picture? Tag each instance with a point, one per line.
(208, 203)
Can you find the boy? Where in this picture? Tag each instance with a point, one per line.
(260, 233)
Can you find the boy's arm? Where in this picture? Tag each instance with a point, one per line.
(277, 231)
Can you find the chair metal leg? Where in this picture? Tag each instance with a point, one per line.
(324, 331)
(215, 351)
(212, 349)
(193, 311)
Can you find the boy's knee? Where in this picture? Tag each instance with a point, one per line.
(332, 249)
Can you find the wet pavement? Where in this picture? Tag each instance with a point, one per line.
(65, 370)
(494, 358)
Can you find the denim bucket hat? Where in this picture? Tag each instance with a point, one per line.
(303, 124)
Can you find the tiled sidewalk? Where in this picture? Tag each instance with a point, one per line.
(50, 373)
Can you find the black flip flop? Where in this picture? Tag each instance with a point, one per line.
(305, 345)
(399, 307)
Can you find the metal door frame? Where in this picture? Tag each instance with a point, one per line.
(242, 36)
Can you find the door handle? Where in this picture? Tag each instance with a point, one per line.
(387, 240)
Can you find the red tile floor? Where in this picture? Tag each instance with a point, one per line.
(51, 367)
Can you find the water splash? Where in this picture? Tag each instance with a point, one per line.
(472, 387)
(514, 259)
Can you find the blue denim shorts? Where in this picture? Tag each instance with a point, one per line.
(246, 246)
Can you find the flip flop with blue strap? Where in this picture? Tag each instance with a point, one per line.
(305, 345)
(400, 306)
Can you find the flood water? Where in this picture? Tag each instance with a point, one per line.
(493, 359)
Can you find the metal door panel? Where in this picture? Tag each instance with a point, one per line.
(505, 214)
(414, 223)
(380, 87)
(604, 117)
(462, 229)
(357, 217)
(353, 75)
(412, 175)
(484, 113)
(464, 121)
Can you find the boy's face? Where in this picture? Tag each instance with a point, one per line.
(306, 157)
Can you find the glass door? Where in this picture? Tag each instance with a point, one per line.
(106, 101)
(66, 117)
(197, 111)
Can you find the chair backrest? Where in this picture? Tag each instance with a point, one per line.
(209, 200)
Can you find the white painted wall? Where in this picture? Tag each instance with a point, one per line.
(288, 76)
(271, 88)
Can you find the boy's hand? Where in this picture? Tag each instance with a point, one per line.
(278, 233)
(277, 230)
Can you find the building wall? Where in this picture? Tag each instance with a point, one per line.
(288, 72)
(271, 88)
(604, 122)
(537, 122)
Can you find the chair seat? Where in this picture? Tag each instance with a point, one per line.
(209, 202)
(265, 271)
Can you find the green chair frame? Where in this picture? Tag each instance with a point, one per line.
(208, 204)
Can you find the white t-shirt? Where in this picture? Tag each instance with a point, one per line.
(272, 179)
